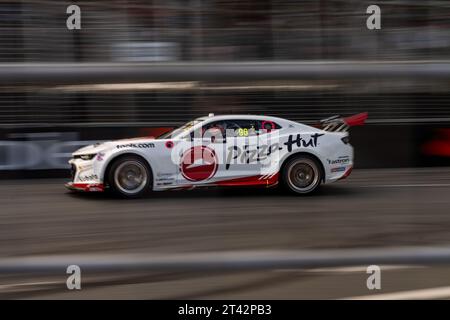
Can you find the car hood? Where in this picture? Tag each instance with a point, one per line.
(102, 146)
(93, 148)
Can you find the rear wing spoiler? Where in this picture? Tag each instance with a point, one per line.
(340, 124)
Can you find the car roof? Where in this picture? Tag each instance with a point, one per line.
(240, 117)
(284, 123)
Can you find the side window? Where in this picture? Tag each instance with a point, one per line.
(268, 126)
(241, 128)
(214, 130)
(220, 130)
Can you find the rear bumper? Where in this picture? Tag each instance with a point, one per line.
(347, 172)
(85, 187)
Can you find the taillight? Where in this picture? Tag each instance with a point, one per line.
(346, 139)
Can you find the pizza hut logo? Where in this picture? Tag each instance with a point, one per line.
(169, 144)
(199, 163)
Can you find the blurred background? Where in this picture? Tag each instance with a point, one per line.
(140, 67)
(188, 32)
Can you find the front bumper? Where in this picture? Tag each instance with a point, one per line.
(84, 176)
(85, 187)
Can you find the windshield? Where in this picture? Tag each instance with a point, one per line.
(175, 132)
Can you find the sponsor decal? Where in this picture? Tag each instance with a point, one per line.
(340, 160)
(95, 189)
(300, 141)
(162, 174)
(165, 179)
(338, 169)
(199, 163)
(246, 155)
(165, 183)
(169, 144)
(100, 156)
(84, 167)
(88, 177)
(136, 145)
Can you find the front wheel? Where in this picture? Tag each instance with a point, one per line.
(302, 175)
(130, 177)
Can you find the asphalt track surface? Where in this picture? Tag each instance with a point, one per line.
(372, 208)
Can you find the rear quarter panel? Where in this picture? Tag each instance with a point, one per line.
(328, 147)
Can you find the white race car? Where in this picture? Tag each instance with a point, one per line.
(226, 150)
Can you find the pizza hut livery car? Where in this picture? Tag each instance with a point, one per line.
(226, 150)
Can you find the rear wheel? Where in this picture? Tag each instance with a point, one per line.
(302, 175)
(130, 177)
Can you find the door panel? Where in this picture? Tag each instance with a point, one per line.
(201, 158)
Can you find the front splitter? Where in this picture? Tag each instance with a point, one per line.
(85, 187)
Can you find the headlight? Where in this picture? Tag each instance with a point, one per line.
(86, 156)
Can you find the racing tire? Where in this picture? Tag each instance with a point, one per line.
(302, 175)
(130, 177)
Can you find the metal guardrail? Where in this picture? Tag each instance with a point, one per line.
(68, 94)
(66, 73)
(229, 261)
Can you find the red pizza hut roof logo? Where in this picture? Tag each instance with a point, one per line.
(199, 163)
(169, 144)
